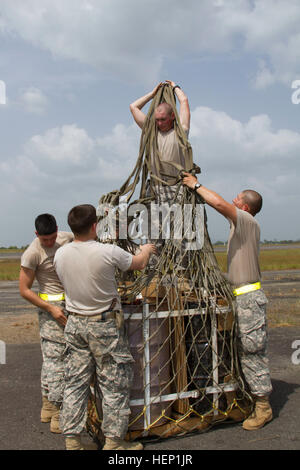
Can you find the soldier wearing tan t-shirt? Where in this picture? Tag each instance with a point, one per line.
(244, 275)
(169, 151)
(96, 340)
(37, 264)
(167, 143)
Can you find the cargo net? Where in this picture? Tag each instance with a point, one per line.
(179, 311)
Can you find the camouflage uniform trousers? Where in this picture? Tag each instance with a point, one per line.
(52, 346)
(252, 341)
(96, 346)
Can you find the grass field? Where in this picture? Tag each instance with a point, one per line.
(11, 250)
(9, 269)
(270, 260)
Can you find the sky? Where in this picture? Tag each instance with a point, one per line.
(69, 70)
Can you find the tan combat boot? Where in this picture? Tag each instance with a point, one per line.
(75, 443)
(54, 424)
(261, 415)
(119, 444)
(47, 411)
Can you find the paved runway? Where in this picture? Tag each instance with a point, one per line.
(20, 401)
(20, 427)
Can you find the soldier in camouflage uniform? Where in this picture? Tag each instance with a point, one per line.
(252, 341)
(37, 263)
(52, 345)
(97, 342)
(95, 335)
(244, 275)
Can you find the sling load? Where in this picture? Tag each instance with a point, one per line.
(179, 311)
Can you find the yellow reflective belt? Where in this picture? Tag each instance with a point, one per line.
(52, 297)
(247, 288)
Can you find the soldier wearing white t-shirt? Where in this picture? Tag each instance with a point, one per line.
(37, 264)
(244, 275)
(95, 335)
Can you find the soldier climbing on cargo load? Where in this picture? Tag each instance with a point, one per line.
(95, 336)
(164, 174)
(37, 263)
(167, 153)
(244, 276)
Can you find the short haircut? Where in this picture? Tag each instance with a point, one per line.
(81, 218)
(45, 224)
(165, 107)
(253, 199)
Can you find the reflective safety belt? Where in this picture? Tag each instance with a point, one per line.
(247, 288)
(52, 297)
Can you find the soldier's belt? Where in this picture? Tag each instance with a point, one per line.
(107, 315)
(52, 297)
(247, 288)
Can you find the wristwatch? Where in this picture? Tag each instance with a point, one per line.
(197, 185)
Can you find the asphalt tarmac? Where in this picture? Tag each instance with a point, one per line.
(20, 403)
(21, 429)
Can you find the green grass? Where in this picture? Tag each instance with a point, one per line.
(278, 260)
(270, 260)
(9, 269)
(11, 250)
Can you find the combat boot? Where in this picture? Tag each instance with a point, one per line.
(115, 443)
(54, 424)
(75, 443)
(261, 415)
(48, 410)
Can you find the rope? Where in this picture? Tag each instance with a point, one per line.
(180, 309)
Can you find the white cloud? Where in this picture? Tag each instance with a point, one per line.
(231, 154)
(67, 160)
(272, 31)
(34, 100)
(124, 38)
(234, 155)
(67, 144)
(118, 152)
(264, 76)
(65, 165)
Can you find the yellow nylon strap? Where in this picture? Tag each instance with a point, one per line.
(247, 288)
(52, 297)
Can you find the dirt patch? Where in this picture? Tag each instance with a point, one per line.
(19, 329)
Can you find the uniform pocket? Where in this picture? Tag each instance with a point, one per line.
(71, 327)
(253, 341)
(252, 329)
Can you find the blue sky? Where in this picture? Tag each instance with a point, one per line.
(72, 67)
